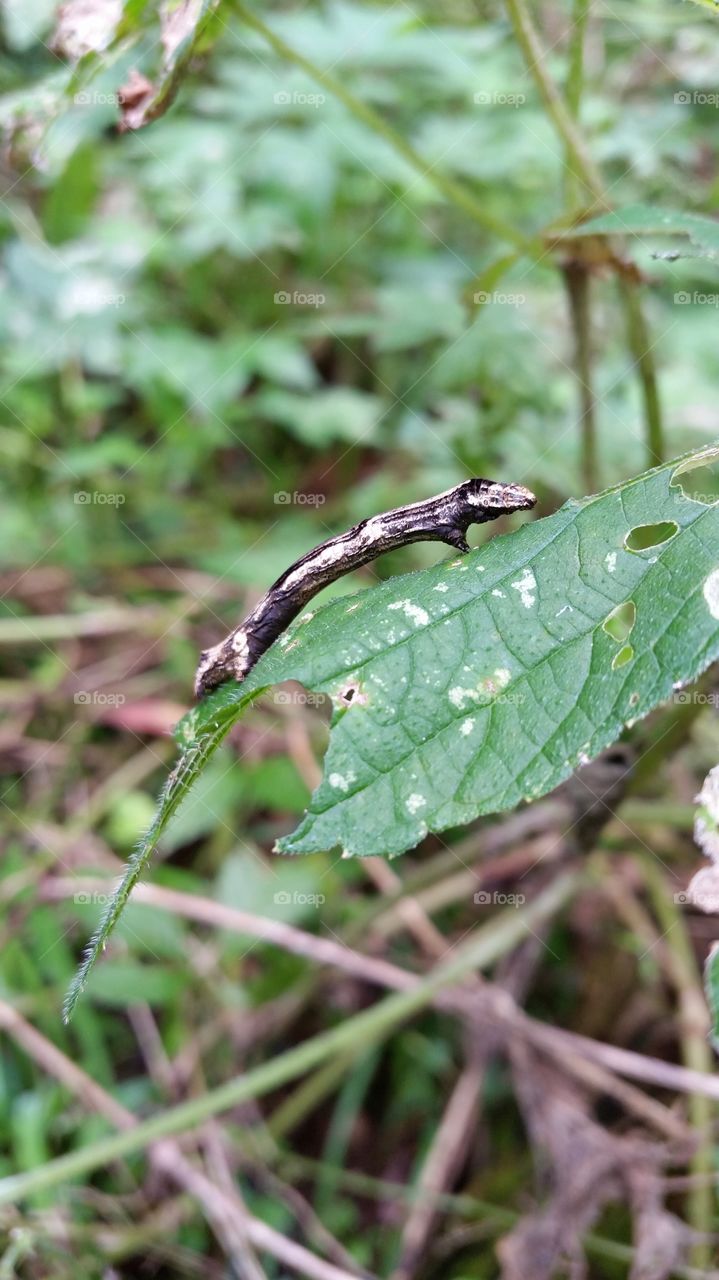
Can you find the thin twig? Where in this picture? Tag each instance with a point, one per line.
(483, 948)
(495, 1004)
(222, 1209)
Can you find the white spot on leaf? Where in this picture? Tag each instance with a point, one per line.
(711, 593)
(458, 696)
(487, 687)
(466, 726)
(414, 612)
(526, 586)
(610, 561)
(415, 802)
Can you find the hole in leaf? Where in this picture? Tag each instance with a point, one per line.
(625, 655)
(650, 535)
(618, 624)
(633, 699)
(350, 693)
(698, 477)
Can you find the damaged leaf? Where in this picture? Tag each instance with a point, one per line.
(639, 220)
(493, 685)
(183, 26)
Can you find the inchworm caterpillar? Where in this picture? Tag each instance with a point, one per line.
(445, 518)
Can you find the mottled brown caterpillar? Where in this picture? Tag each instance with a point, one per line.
(445, 518)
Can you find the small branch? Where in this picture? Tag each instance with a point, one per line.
(41, 628)
(448, 1151)
(552, 1040)
(223, 1209)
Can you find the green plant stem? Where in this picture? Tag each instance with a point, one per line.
(575, 86)
(583, 169)
(354, 1035)
(640, 347)
(696, 1050)
(455, 192)
(305, 1099)
(575, 74)
(580, 161)
(578, 284)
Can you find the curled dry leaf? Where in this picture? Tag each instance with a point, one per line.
(85, 26)
(135, 98)
(179, 23)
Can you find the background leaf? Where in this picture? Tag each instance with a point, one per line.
(645, 219)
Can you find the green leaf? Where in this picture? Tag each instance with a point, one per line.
(465, 688)
(647, 219)
(711, 986)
